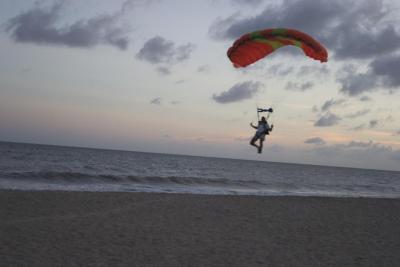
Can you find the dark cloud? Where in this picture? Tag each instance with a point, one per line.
(158, 50)
(359, 144)
(357, 114)
(204, 69)
(328, 105)
(365, 99)
(389, 118)
(159, 101)
(248, 2)
(313, 70)
(358, 127)
(382, 74)
(315, 141)
(365, 43)
(387, 69)
(156, 101)
(218, 29)
(373, 123)
(164, 70)
(315, 109)
(41, 25)
(331, 103)
(358, 30)
(179, 81)
(238, 92)
(307, 15)
(327, 119)
(299, 86)
(280, 70)
(183, 52)
(354, 83)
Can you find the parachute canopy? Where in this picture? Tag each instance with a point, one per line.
(256, 45)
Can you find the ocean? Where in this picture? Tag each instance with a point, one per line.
(46, 167)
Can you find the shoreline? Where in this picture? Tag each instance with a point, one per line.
(64, 228)
(183, 193)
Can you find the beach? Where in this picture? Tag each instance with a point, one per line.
(50, 228)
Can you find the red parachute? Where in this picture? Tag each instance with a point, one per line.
(256, 45)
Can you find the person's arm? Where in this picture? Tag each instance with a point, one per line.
(251, 124)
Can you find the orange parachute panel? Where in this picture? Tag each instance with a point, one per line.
(256, 45)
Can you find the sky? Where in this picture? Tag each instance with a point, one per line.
(154, 76)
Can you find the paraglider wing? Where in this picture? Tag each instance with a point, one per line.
(256, 45)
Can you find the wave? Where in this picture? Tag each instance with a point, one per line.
(76, 181)
(85, 178)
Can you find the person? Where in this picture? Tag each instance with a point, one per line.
(262, 129)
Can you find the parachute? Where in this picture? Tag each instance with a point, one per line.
(256, 45)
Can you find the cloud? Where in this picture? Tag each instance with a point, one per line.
(326, 120)
(313, 70)
(156, 101)
(373, 123)
(387, 69)
(314, 109)
(247, 2)
(331, 103)
(382, 74)
(299, 86)
(204, 69)
(360, 148)
(326, 107)
(358, 127)
(389, 118)
(365, 99)
(164, 70)
(297, 14)
(358, 30)
(180, 81)
(238, 92)
(357, 114)
(280, 70)
(41, 25)
(159, 101)
(158, 50)
(354, 83)
(315, 141)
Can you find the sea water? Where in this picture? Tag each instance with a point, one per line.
(45, 167)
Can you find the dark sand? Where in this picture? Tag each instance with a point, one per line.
(143, 229)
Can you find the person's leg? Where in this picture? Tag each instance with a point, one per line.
(260, 146)
(253, 141)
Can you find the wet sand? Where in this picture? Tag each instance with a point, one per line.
(148, 229)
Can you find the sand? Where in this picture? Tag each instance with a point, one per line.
(148, 229)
